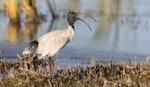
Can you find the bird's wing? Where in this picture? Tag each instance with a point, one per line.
(31, 48)
(53, 41)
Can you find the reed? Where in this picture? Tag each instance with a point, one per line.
(12, 9)
(29, 9)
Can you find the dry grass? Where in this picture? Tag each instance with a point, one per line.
(31, 72)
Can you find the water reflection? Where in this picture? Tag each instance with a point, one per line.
(109, 15)
(110, 11)
(112, 20)
(13, 33)
(113, 31)
(110, 7)
(74, 5)
(52, 25)
(29, 31)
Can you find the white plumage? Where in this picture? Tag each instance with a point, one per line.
(51, 43)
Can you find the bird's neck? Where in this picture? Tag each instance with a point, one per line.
(71, 32)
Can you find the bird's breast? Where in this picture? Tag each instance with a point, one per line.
(70, 33)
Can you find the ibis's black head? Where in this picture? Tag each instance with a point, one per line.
(72, 17)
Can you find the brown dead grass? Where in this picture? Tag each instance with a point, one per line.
(31, 72)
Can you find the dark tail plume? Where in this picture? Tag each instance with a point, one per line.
(31, 48)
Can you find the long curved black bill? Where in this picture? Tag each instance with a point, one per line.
(85, 23)
(80, 14)
(91, 17)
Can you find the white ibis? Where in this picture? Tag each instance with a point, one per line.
(52, 42)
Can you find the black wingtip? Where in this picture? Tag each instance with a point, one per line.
(35, 42)
(31, 48)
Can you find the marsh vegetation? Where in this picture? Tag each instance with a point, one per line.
(123, 26)
(38, 73)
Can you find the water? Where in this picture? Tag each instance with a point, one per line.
(122, 30)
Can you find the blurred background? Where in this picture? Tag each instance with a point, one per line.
(121, 30)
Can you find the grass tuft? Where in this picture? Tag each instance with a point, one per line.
(32, 72)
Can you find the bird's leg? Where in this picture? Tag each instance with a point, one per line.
(52, 66)
(50, 58)
(36, 62)
(50, 61)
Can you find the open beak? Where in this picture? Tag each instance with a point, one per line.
(85, 23)
(83, 15)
